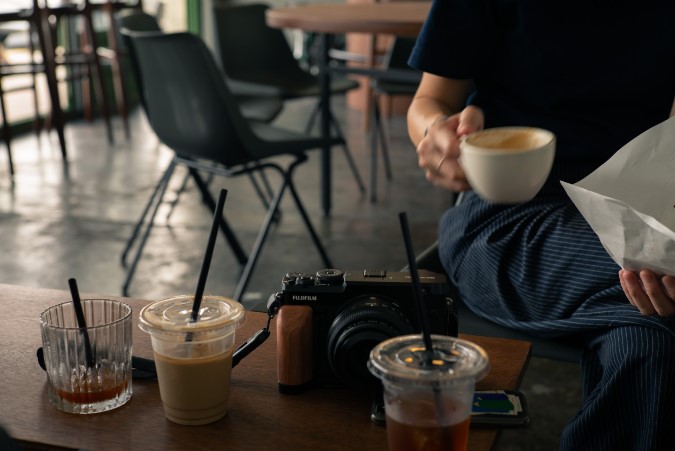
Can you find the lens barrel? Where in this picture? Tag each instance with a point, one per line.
(362, 323)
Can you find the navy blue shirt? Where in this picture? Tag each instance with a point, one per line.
(595, 72)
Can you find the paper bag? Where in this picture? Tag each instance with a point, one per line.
(629, 201)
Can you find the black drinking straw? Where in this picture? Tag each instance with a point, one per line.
(417, 289)
(207, 256)
(423, 317)
(81, 322)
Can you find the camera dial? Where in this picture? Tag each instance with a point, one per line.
(330, 277)
(361, 324)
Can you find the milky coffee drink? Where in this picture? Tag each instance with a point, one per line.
(193, 358)
(508, 139)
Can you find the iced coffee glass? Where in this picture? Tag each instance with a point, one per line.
(427, 398)
(193, 358)
(82, 383)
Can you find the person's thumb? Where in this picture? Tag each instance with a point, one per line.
(471, 119)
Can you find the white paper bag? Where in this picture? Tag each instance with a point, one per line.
(629, 201)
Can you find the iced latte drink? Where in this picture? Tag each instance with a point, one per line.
(193, 358)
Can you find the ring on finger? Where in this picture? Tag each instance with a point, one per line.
(440, 163)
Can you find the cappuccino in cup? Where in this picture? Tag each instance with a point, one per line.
(508, 165)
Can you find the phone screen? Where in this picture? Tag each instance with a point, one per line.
(497, 402)
(499, 408)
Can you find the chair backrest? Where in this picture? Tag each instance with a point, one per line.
(189, 106)
(135, 21)
(250, 50)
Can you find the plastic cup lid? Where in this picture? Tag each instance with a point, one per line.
(404, 359)
(174, 315)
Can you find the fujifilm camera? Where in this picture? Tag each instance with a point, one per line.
(328, 322)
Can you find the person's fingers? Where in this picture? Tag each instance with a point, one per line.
(443, 135)
(622, 279)
(651, 284)
(471, 119)
(669, 285)
(450, 175)
(633, 289)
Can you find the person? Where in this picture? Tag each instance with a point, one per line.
(597, 74)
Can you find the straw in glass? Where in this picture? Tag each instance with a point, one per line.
(81, 322)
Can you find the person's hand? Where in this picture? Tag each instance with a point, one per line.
(651, 294)
(438, 152)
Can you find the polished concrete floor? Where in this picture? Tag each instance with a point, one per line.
(59, 221)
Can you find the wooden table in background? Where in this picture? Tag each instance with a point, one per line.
(396, 18)
(259, 417)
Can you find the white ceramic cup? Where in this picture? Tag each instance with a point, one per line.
(507, 165)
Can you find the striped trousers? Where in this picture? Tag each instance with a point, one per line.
(539, 267)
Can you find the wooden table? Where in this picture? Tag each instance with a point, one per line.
(396, 18)
(259, 417)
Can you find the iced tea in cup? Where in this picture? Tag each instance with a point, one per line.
(193, 358)
(427, 401)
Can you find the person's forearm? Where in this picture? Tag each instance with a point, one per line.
(436, 97)
(423, 112)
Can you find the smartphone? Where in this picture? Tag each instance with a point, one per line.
(499, 408)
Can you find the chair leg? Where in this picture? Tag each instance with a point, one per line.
(231, 238)
(179, 191)
(350, 160)
(47, 50)
(120, 93)
(264, 230)
(348, 155)
(375, 110)
(384, 139)
(37, 123)
(265, 195)
(118, 66)
(6, 132)
(153, 204)
(312, 117)
(378, 129)
(97, 73)
(257, 247)
(308, 223)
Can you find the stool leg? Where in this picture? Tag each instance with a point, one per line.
(97, 73)
(118, 69)
(6, 133)
(47, 49)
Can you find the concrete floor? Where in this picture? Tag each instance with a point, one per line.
(58, 222)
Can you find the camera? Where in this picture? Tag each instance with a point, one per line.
(328, 322)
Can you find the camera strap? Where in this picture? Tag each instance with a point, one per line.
(259, 337)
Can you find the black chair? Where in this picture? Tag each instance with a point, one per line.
(253, 107)
(254, 53)
(193, 112)
(563, 348)
(395, 79)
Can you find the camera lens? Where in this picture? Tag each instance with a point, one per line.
(361, 324)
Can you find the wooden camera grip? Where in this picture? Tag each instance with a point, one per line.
(294, 345)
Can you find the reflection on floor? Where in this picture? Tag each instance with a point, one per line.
(57, 223)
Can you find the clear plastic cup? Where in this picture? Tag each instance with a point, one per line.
(76, 386)
(193, 358)
(427, 401)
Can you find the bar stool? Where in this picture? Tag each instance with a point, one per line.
(82, 60)
(114, 53)
(34, 16)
